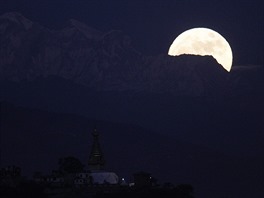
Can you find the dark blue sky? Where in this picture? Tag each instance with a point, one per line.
(154, 24)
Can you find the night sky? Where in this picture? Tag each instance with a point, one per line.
(153, 25)
(210, 138)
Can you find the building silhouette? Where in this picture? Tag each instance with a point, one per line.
(96, 160)
(96, 163)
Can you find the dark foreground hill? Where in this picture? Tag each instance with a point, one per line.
(35, 140)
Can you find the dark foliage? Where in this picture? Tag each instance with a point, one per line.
(70, 165)
(24, 190)
(180, 191)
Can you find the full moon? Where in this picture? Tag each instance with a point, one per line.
(203, 41)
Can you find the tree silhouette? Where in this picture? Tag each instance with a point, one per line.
(184, 190)
(70, 165)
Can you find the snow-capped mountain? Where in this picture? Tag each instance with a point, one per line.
(102, 61)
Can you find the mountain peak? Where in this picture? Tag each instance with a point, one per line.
(18, 18)
(89, 32)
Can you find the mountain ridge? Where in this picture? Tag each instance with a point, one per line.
(105, 62)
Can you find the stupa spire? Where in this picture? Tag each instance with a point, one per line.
(96, 158)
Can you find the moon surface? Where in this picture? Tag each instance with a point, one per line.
(203, 41)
